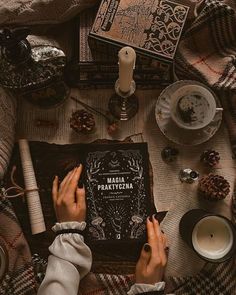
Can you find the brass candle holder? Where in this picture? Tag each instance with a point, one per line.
(124, 105)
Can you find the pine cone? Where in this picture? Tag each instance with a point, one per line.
(210, 158)
(82, 121)
(213, 187)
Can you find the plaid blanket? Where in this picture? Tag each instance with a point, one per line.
(19, 279)
(207, 53)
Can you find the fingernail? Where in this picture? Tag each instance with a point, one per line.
(147, 247)
(149, 218)
(155, 216)
(80, 184)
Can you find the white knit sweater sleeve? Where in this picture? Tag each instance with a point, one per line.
(70, 260)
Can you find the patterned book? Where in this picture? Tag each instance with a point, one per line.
(152, 27)
(118, 192)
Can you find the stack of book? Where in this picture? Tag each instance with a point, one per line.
(99, 68)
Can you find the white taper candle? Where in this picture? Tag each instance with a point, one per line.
(33, 199)
(127, 58)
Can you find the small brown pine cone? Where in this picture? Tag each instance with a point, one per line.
(82, 121)
(210, 158)
(213, 187)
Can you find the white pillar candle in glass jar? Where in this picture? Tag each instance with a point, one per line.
(212, 237)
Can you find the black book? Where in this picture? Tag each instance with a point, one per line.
(117, 193)
(116, 178)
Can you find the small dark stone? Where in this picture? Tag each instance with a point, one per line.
(169, 154)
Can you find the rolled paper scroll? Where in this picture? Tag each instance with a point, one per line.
(31, 189)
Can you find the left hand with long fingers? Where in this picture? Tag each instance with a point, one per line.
(151, 264)
(68, 198)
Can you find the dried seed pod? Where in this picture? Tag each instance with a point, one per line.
(210, 158)
(82, 121)
(213, 187)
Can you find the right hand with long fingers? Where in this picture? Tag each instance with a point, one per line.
(68, 198)
(151, 264)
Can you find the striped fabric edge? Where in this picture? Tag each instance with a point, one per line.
(218, 279)
(227, 80)
(208, 13)
(114, 284)
(6, 208)
(20, 282)
(222, 31)
(234, 205)
(183, 69)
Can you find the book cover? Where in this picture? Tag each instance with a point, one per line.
(152, 27)
(117, 192)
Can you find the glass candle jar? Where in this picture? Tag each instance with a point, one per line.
(211, 236)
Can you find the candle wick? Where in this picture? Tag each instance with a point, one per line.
(211, 235)
(126, 52)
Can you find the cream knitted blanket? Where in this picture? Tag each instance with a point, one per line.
(30, 12)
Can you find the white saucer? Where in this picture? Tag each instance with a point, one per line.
(172, 131)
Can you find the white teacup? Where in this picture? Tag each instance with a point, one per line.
(193, 107)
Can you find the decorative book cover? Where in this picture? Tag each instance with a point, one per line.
(152, 27)
(117, 192)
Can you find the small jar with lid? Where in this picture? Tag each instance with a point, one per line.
(34, 73)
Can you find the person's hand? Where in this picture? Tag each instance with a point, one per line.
(68, 198)
(151, 264)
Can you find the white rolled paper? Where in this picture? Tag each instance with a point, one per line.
(33, 199)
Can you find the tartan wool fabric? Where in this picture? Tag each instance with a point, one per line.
(106, 284)
(207, 53)
(19, 278)
(212, 280)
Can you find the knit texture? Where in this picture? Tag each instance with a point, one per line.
(29, 12)
(7, 129)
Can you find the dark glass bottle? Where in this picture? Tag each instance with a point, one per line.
(33, 73)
